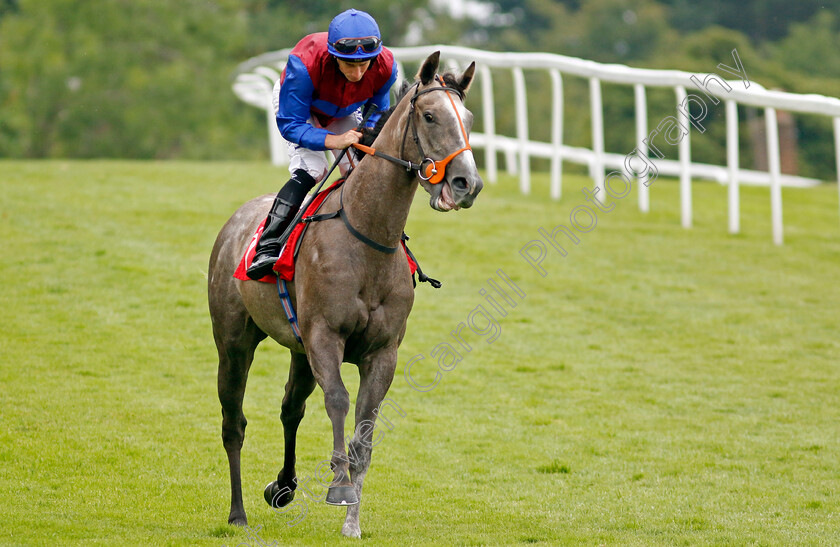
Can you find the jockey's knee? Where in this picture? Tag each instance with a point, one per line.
(317, 173)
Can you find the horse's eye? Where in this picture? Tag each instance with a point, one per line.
(428, 117)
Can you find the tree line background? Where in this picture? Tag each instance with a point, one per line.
(152, 78)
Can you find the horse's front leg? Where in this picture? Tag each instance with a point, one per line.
(375, 376)
(326, 352)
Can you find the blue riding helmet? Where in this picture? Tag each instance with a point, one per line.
(354, 35)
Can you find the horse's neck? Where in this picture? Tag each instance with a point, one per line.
(378, 195)
(378, 198)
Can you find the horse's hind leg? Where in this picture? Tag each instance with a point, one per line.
(299, 387)
(236, 352)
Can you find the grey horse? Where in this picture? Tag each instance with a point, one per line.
(352, 298)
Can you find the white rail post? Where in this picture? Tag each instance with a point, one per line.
(276, 143)
(489, 115)
(733, 164)
(556, 133)
(596, 169)
(775, 172)
(452, 65)
(510, 160)
(400, 74)
(641, 145)
(837, 150)
(685, 160)
(522, 130)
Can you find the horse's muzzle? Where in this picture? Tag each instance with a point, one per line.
(464, 190)
(458, 193)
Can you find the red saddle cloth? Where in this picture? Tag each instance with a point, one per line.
(285, 265)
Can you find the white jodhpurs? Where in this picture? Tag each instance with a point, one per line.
(315, 162)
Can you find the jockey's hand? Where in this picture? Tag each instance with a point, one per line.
(339, 142)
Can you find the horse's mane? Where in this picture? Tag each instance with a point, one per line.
(369, 135)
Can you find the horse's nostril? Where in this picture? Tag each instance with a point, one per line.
(460, 183)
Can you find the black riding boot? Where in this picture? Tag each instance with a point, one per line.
(285, 207)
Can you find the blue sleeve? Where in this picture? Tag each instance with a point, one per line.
(293, 108)
(382, 98)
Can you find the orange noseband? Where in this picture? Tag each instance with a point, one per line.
(434, 171)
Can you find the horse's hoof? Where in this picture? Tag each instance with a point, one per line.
(342, 495)
(351, 531)
(276, 496)
(238, 521)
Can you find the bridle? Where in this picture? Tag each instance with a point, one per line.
(428, 169)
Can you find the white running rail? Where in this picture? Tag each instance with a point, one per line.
(255, 78)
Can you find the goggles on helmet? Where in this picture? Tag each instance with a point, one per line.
(349, 46)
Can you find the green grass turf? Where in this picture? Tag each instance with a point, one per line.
(659, 386)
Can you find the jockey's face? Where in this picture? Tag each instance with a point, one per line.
(353, 70)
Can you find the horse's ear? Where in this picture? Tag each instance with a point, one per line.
(429, 68)
(467, 78)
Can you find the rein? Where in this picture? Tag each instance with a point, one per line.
(428, 169)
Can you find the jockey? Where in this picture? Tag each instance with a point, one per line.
(329, 78)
